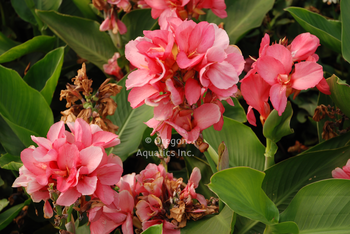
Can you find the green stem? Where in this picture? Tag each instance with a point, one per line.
(69, 213)
(269, 153)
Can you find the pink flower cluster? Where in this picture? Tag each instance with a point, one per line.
(152, 193)
(279, 71)
(342, 173)
(184, 9)
(183, 72)
(70, 164)
(112, 22)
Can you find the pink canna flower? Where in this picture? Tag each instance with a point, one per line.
(192, 184)
(148, 207)
(113, 24)
(123, 4)
(342, 173)
(303, 46)
(112, 68)
(275, 67)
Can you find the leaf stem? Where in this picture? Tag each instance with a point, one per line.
(269, 158)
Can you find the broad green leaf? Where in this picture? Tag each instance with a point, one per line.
(155, 229)
(21, 115)
(282, 228)
(25, 13)
(84, 229)
(240, 189)
(321, 207)
(6, 43)
(340, 94)
(220, 223)
(276, 126)
(82, 35)
(43, 76)
(130, 122)
(345, 31)
(244, 148)
(136, 21)
(39, 43)
(333, 143)
(7, 216)
(235, 112)
(285, 179)
(206, 173)
(242, 16)
(10, 162)
(328, 31)
(84, 7)
(3, 203)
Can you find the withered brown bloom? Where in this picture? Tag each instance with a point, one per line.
(93, 108)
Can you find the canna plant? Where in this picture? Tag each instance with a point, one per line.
(160, 134)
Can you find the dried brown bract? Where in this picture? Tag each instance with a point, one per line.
(94, 108)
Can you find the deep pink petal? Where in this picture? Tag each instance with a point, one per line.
(56, 131)
(278, 97)
(222, 75)
(43, 142)
(82, 132)
(138, 95)
(176, 94)
(303, 46)
(109, 174)
(163, 111)
(184, 62)
(138, 78)
(340, 174)
(192, 91)
(282, 54)
(68, 156)
(102, 225)
(250, 116)
(48, 212)
(264, 44)
(269, 68)
(206, 115)
(195, 176)
(105, 193)
(127, 226)
(306, 75)
(133, 55)
(126, 202)
(121, 27)
(105, 139)
(323, 87)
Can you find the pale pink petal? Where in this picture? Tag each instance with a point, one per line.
(133, 55)
(68, 198)
(43, 142)
(195, 176)
(103, 225)
(264, 44)
(138, 95)
(68, 156)
(105, 193)
(201, 199)
(87, 185)
(206, 115)
(127, 226)
(40, 195)
(90, 158)
(269, 68)
(278, 97)
(105, 25)
(105, 139)
(222, 75)
(138, 78)
(109, 174)
(56, 131)
(184, 62)
(48, 212)
(176, 94)
(121, 27)
(340, 174)
(30, 163)
(126, 202)
(163, 111)
(202, 37)
(192, 91)
(143, 210)
(82, 132)
(306, 75)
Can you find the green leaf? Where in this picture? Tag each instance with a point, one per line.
(7, 216)
(82, 35)
(84, 7)
(136, 21)
(241, 17)
(235, 112)
(43, 76)
(328, 31)
(220, 223)
(345, 31)
(130, 122)
(285, 179)
(155, 229)
(21, 115)
(10, 162)
(282, 228)
(240, 189)
(6, 43)
(224, 160)
(321, 207)
(333, 143)
(340, 94)
(244, 148)
(39, 43)
(206, 173)
(276, 126)
(25, 13)
(3, 203)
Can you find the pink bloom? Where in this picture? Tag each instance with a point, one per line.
(116, 25)
(124, 4)
(218, 7)
(148, 208)
(192, 184)
(255, 91)
(323, 87)
(112, 68)
(342, 173)
(275, 68)
(303, 46)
